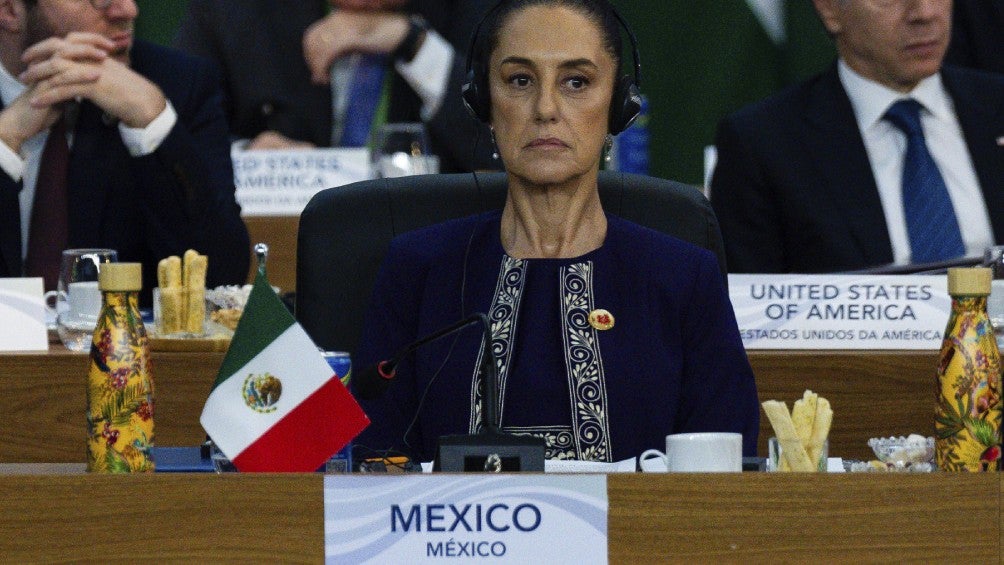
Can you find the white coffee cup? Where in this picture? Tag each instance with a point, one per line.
(80, 303)
(699, 452)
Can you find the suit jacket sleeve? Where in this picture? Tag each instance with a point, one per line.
(187, 188)
(452, 127)
(743, 200)
(195, 32)
(718, 389)
(392, 323)
(10, 227)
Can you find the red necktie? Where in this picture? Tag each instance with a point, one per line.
(48, 231)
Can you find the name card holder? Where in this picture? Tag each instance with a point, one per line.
(22, 315)
(522, 518)
(841, 311)
(281, 182)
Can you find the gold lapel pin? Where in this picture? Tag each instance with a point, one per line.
(601, 319)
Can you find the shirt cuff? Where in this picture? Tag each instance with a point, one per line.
(11, 162)
(143, 141)
(429, 71)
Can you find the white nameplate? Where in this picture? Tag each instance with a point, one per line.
(281, 182)
(841, 311)
(502, 518)
(22, 315)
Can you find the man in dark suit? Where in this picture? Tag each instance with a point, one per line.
(148, 168)
(277, 59)
(812, 179)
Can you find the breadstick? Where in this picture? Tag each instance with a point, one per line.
(171, 303)
(195, 284)
(820, 428)
(802, 415)
(169, 272)
(162, 273)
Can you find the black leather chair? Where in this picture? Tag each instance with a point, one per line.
(345, 231)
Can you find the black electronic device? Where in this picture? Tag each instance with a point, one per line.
(488, 450)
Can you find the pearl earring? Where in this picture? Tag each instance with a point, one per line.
(608, 145)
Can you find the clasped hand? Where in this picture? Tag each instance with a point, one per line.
(345, 31)
(79, 66)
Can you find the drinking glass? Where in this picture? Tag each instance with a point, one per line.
(775, 454)
(994, 258)
(402, 149)
(78, 300)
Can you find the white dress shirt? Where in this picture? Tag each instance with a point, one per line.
(24, 166)
(886, 147)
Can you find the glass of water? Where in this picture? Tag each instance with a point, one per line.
(994, 258)
(402, 149)
(77, 298)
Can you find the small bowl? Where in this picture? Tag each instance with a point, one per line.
(903, 450)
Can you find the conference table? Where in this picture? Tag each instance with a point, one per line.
(262, 518)
(873, 394)
(50, 509)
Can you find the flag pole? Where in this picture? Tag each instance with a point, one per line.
(261, 254)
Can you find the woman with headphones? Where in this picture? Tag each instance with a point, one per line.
(607, 336)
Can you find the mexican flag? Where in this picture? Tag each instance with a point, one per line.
(276, 404)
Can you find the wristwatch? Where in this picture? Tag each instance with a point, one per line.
(409, 46)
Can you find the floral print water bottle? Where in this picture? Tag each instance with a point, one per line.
(968, 411)
(120, 386)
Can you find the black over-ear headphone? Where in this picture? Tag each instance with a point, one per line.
(624, 106)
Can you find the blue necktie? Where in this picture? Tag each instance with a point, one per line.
(364, 98)
(930, 219)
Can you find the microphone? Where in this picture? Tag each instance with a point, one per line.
(489, 450)
(372, 382)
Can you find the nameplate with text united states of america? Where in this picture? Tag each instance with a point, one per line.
(840, 311)
(281, 182)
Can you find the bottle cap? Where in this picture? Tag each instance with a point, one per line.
(969, 281)
(121, 277)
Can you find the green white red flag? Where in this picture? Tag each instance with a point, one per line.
(277, 405)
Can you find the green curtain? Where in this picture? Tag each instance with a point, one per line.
(158, 19)
(703, 59)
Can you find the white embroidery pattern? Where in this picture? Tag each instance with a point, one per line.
(502, 316)
(558, 440)
(586, 381)
(589, 437)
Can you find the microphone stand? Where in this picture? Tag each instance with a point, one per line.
(490, 450)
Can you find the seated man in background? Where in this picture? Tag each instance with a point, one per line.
(107, 142)
(885, 158)
(303, 74)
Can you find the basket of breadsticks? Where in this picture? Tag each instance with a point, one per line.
(179, 301)
(800, 436)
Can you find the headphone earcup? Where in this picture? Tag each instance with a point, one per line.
(474, 100)
(625, 105)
